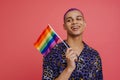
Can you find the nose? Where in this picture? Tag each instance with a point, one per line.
(74, 21)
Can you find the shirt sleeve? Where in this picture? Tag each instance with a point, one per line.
(50, 69)
(97, 68)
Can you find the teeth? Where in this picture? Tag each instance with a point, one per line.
(74, 28)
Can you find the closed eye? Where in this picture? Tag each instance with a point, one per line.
(79, 18)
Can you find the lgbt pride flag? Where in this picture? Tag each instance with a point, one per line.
(46, 40)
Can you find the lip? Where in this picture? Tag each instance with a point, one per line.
(75, 28)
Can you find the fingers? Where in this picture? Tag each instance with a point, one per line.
(71, 57)
(70, 54)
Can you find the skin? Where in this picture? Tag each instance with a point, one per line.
(74, 25)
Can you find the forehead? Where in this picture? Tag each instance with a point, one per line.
(73, 13)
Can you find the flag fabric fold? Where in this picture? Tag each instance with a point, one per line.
(46, 41)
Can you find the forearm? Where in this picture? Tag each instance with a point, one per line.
(65, 75)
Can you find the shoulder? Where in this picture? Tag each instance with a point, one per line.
(90, 50)
(92, 53)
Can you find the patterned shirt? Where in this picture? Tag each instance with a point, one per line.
(88, 65)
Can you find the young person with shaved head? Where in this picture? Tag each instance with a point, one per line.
(79, 61)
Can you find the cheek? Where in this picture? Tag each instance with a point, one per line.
(82, 24)
(83, 28)
(65, 26)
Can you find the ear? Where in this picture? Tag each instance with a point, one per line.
(84, 23)
(64, 26)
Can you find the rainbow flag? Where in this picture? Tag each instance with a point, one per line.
(46, 40)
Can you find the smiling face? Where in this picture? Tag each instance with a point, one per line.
(74, 23)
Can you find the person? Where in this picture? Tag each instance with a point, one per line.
(77, 62)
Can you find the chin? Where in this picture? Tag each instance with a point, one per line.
(75, 35)
(79, 33)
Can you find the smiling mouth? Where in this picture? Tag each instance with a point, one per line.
(75, 28)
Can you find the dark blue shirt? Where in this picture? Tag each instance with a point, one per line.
(88, 65)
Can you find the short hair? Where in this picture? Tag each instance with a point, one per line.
(72, 9)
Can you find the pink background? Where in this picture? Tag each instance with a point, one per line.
(22, 21)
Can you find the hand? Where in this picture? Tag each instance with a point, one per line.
(71, 57)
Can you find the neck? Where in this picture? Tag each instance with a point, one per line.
(75, 42)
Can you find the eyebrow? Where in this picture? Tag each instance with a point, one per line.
(71, 17)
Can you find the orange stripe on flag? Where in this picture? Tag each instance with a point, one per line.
(42, 36)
